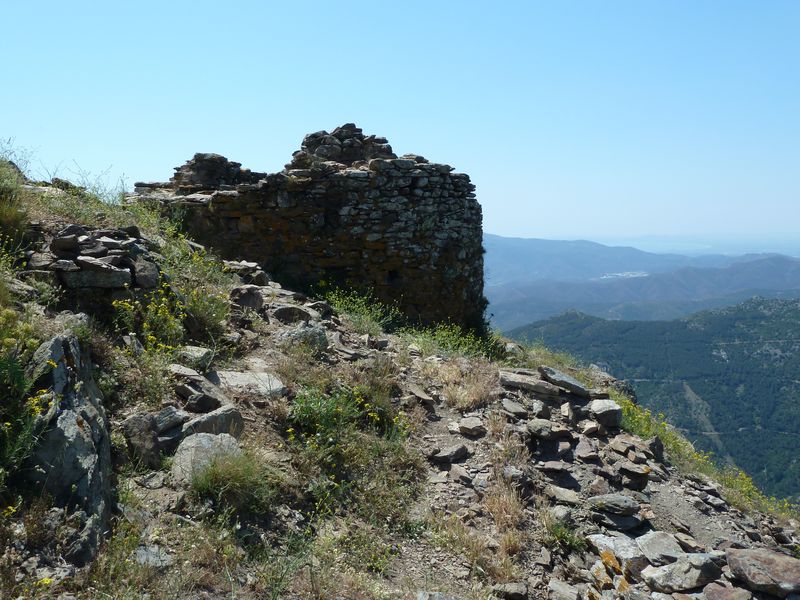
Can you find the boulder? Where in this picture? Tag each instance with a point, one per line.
(145, 273)
(306, 334)
(510, 591)
(196, 357)
(247, 296)
(606, 412)
(763, 570)
(688, 572)
(471, 427)
(289, 314)
(542, 429)
(196, 452)
(560, 590)
(451, 454)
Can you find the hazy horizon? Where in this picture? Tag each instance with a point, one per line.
(687, 245)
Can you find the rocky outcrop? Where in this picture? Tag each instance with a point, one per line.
(94, 265)
(72, 462)
(346, 211)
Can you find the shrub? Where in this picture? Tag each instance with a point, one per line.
(531, 357)
(353, 453)
(562, 535)
(201, 282)
(505, 505)
(157, 321)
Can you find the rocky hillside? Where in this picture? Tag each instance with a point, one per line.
(729, 378)
(175, 426)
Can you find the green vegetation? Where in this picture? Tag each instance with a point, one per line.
(352, 450)
(19, 407)
(13, 217)
(729, 379)
(563, 536)
(368, 315)
(364, 313)
(448, 339)
(240, 484)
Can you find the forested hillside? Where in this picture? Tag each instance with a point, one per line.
(730, 378)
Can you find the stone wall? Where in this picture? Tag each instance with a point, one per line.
(348, 212)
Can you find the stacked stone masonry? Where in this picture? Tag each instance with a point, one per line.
(344, 212)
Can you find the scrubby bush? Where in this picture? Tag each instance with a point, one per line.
(18, 409)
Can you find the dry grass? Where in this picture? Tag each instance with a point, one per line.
(510, 449)
(299, 367)
(505, 505)
(495, 424)
(469, 384)
(454, 535)
(511, 542)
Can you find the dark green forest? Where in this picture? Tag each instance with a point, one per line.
(729, 378)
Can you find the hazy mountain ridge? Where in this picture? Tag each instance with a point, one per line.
(736, 369)
(664, 295)
(511, 260)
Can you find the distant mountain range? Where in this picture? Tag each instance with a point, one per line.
(531, 279)
(730, 378)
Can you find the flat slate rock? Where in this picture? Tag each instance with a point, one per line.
(563, 495)
(265, 384)
(763, 570)
(226, 419)
(716, 591)
(515, 409)
(623, 549)
(565, 381)
(560, 590)
(451, 454)
(527, 383)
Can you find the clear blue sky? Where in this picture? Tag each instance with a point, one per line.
(574, 119)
